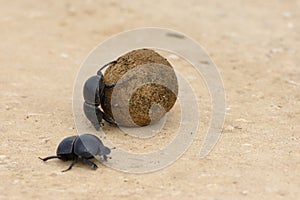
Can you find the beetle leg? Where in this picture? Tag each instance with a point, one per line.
(110, 85)
(107, 118)
(103, 99)
(94, 114)
(105, 157)
(72, 164)
(90, 163)
(48, 158)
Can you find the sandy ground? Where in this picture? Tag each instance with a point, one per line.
(256, 47)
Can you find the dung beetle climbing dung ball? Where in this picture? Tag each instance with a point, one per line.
(85, 147)
(93, 93)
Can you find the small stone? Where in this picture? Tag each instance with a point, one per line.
(286, 14)
(71, 10)
(290, 25)
(277, 50)
(45, 140)
(294, 138)
(242, 120)
(245, 192)
(173, 56)
(246, 144)
(64, 55)
(229, 128)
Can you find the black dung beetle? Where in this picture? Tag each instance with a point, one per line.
(85, 146)
(93, 93)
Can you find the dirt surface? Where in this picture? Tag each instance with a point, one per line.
(255, 45)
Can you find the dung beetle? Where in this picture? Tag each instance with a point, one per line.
(94, 95)
(85, 147)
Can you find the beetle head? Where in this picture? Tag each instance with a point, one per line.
(104, 150)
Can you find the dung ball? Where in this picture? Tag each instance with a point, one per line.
(146, 88)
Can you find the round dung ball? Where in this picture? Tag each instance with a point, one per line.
(146, 88)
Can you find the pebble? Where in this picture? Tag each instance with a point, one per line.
(71, 10)
(286, 14)
(173, 56)
(277, 50)
(293, 82)
(245, 192)
(294, 138)
(45, 140)
(229, 128)
(242, 120)
(290, 25)
(64, 55)
(246, 144)
(8, 107)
